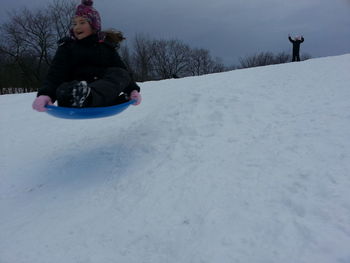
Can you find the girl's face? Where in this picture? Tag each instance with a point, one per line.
(81, 27)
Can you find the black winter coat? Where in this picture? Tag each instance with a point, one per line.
(86, 59)
(296, 44)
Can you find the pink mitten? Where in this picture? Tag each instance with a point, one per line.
(40, 103)
(135, 95)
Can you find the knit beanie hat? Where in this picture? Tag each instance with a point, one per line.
(86, 10)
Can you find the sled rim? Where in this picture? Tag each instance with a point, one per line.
(87, 113)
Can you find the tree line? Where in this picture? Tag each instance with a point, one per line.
(267, 58)
(29, 40)
(154, 59)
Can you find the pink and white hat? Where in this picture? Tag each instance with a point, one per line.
(86, 10)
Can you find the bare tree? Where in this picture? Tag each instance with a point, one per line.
(169, 57)
(61, 13)
(142, 57)
(28, 39)
(125, 55)
(12, 41)
(261, 59)
(219, 66)
(305, 56)
(200, 62)
(282, 57)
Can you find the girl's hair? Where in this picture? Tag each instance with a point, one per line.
(113, 36)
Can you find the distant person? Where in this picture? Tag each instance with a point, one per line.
(296, 47)
(87, 70)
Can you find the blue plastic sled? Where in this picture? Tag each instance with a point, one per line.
(87, 113)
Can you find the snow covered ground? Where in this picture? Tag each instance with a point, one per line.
(249, 166)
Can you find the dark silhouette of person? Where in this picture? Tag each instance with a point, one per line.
(296, 47)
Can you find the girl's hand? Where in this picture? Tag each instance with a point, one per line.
(40, 103)
(135, 95)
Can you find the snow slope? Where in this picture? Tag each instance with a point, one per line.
(244, 166)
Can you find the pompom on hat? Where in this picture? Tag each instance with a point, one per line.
(86, 10)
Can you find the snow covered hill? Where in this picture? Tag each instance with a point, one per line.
(248, 166)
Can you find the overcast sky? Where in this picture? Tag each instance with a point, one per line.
(228, 28)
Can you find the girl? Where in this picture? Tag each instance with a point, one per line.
(87, 70)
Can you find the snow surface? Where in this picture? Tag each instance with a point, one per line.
(248, 166)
